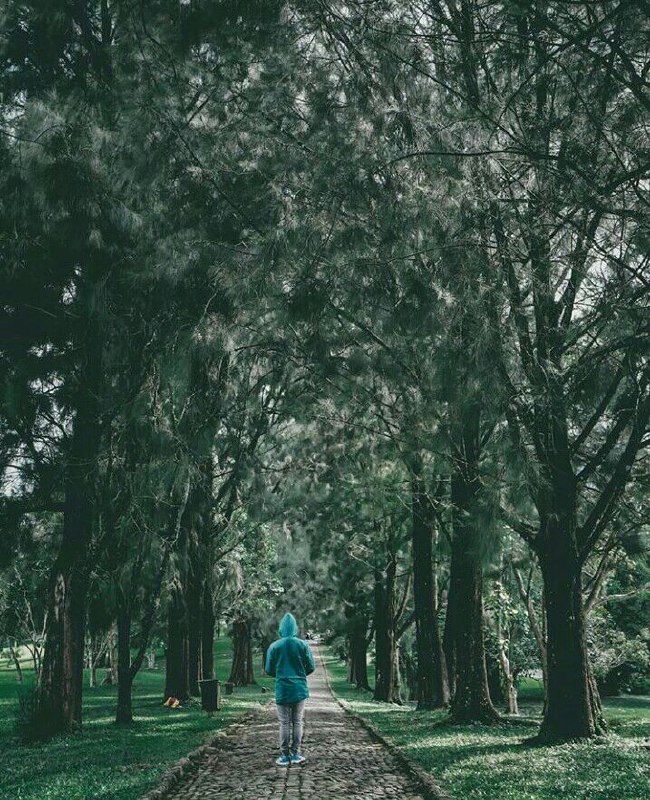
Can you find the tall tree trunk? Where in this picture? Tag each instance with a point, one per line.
(573, 707)
(430, 685)
(197, 529)
(397, 673)
(63, 661)
(207, 631)
(360, 677)
(177, 668)
(241, 672)
(512, 706)
(358, 649)
(128, 668)
(471, 701)
(385, 632)
(124, 714)
(194, 597)
(199, 426)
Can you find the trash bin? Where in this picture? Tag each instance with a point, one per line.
(210, 695)
(230, 687)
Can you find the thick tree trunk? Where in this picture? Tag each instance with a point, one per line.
(63, 661)
(197, 520)
(357, 625)
(207, 632)
(197, 533)
(573, 707)
(194, 596)
(385, 659)
(471, 701)
(431, 669)
(544, 655)
(397, 674)
(124, 713)
(177, 668)
(241, 672)
(358, 660)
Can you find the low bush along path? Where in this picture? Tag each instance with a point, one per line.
(343, 759)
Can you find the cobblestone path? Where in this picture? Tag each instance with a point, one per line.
(343, 760)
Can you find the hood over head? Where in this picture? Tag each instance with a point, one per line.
(288, 626)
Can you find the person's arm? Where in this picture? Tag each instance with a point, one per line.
(310, 664)
(270, 662)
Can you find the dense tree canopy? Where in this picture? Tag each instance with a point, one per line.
(335, 307)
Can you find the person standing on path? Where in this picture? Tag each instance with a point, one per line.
(289, 660)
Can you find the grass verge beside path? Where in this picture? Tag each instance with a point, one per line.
(105, 761)
(476, 762)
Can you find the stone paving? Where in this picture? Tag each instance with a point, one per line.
(343, 760)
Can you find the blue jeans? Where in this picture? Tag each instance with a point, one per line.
(291, 715)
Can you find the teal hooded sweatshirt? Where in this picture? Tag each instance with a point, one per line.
(289, 660)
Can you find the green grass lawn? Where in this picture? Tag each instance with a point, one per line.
(473, 762)
(107, 762)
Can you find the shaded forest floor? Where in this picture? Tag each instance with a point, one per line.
(106, 762)
(475, 762)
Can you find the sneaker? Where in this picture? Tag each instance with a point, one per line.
(283, 761)
(296, 758)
